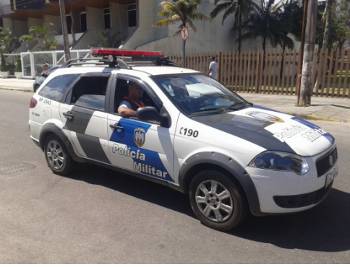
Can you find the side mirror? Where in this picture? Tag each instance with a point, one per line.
(152, 114)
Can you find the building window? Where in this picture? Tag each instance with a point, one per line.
(69, 23)
(132, 21)
(83, 26)
(107, 18)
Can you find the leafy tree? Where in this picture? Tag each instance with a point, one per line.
(240, 10)
(290, 17)
(265, 22)
(341, 26)
(40, 34)
(184, 12)
(7, 43)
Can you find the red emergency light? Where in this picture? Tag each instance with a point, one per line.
(124, 53)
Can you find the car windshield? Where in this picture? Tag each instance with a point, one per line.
(197, 94)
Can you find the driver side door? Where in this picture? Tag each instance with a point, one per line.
(140, 146)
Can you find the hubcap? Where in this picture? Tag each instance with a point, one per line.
(214, 201)
(55, 155)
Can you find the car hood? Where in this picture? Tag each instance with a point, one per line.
(272, 130)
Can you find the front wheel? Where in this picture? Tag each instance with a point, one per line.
(217, 201)
(57, 157)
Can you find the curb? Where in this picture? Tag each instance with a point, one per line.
(17, 89)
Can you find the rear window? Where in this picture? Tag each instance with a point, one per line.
(57, 87)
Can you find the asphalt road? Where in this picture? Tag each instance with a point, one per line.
(98, 216)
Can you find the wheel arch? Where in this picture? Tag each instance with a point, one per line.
(225, 164)
(51, 129)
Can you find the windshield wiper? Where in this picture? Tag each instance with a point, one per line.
(209, 111)
(239, 106)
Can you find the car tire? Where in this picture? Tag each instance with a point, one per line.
(217, 201)
(57, 156)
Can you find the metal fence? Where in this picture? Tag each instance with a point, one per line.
(32, 62)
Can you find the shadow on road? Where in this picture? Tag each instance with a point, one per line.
(324, 228)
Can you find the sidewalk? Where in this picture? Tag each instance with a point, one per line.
(323, 108)
(23, 85)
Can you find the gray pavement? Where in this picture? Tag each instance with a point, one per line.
(23, 85)
(322, 108)
(100, 216)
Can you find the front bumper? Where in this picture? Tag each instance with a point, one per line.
(286, 192)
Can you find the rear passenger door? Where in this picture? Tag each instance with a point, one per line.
(49, 98)
(85, 116)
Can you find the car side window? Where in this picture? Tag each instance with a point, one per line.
(56, 88)
(90, 92)
(122, 94)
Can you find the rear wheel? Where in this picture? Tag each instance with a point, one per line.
(217, 201)
(57, 157)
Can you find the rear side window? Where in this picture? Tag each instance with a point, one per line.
(57, 87)
(90, 92)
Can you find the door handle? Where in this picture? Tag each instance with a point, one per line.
(69, 115)
(117, 127)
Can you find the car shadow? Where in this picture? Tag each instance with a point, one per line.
(323, 228)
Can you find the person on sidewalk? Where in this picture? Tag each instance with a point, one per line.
(213, 68)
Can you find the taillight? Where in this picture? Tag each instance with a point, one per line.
(32, 102)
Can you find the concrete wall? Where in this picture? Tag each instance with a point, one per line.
(146, 32)
(34, 22)
(94, 17)
(20, 27)
(119, 19)
(54, 23)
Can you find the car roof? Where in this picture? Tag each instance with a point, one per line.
(163, 70)
(142, 70)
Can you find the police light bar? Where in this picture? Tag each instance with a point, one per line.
(125, 53)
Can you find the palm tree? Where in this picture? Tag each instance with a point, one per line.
(184, 12)
(290, 20)
(240, 9)
(265, 23)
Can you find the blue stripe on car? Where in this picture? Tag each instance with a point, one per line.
(126, 136)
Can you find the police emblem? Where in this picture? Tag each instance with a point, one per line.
(139, 137)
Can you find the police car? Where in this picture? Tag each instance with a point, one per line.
(230, 156)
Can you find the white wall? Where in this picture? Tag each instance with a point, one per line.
(211, 35)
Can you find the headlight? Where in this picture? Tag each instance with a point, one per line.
(280, 161)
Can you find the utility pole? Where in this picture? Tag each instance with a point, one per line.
(64, 30)
(310, 38)
(301, 51)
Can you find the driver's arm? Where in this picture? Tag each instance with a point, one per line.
(125, 110)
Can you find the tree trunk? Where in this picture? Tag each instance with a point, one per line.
(240, 33)
(73, 28)
(327, 25)
(64, 30)
(184, 53)
(282, 60)
(264, 54)
(310, 37)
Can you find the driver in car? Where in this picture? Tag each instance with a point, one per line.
(132, 102)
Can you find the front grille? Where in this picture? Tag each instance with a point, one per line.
(299, 201)
(326, 162)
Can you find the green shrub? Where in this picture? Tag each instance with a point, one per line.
(18, 65)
